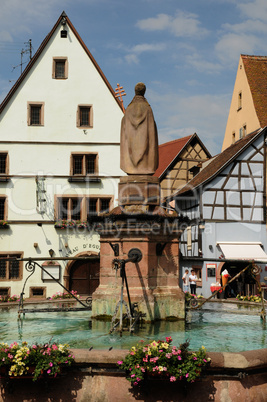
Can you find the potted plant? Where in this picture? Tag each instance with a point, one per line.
(35, 361)
(63, 224)
(160, 359)
(4, 224)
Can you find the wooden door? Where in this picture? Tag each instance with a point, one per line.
(84, 276)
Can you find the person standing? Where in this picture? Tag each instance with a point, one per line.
(193, 282)
(185, 279)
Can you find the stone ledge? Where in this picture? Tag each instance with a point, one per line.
(252, 359)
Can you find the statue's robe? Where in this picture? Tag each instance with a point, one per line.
(139, 139)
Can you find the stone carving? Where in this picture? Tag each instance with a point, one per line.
(139, 137)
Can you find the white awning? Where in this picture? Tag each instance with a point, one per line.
(243, 251)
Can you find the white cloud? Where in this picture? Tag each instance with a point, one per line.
(246, 27)
(204, 114)
(231, 45)
(256, 9)
(202, 65)
(135, 51)
(183, 24)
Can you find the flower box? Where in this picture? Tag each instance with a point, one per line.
(161, 360)
(34, 362)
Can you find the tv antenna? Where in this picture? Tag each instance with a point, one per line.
(27, 50)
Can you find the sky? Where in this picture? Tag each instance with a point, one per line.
(185, 51)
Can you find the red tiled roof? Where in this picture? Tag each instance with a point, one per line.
(219, 163)
(40, 50)
(168, 152)
(256, 72)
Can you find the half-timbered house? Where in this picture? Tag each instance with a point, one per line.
(226, 205)
(179, 160)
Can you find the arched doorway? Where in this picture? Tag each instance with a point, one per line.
(84, 276)
(245, 285)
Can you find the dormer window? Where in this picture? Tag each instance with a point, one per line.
(60, 68)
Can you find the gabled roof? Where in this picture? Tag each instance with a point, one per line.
(256, 72)
(170, 151)
(40, 50)
(220, 162)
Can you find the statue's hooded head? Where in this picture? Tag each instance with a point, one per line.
(140, 89)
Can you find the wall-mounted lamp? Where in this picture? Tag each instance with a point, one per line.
(35, 245)
(51, 252)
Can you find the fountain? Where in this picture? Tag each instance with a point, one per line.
(139, 232)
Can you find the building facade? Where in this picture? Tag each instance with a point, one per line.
(226, 205)
(59, 163)
(248, 110)
(178, 162)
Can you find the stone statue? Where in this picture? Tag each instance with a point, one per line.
(139, 137)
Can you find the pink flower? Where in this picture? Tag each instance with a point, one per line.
(34, 347)
(194, 358)
(135, 383)
(119, 362)
(51, 364)
(48, 371)
(54, 347)
(132, 375)
(204, 360)
(187, 375)
(168, 339)
(172, 379)
(179, 358)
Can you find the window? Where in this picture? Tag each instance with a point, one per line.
(97, 206)
(38, 292)
(240, 132)
(85, 116)
(60, 68)
(233, 138)
(10, 267)
(244, 130)
(35, 114)
(3, 208)
(239, 101)
(79, 208)
(70, 208)
(84, 164)
(3, 165)
(198, 272)
(5, 292)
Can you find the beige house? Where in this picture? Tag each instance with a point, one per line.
(248, 110)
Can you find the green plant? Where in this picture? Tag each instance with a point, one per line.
(62, 295)
(44, 359)
(3, 223)
(63, 224)
(252, 298)
(161, 359)
(7, 299)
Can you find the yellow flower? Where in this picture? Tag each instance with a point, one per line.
(133, 349)
(164, 345)
(154, 344)
(160, 368)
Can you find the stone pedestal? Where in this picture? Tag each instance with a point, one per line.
(154, 281)
(139, 190)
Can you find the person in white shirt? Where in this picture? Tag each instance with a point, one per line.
(193, 282)
(185, 279)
